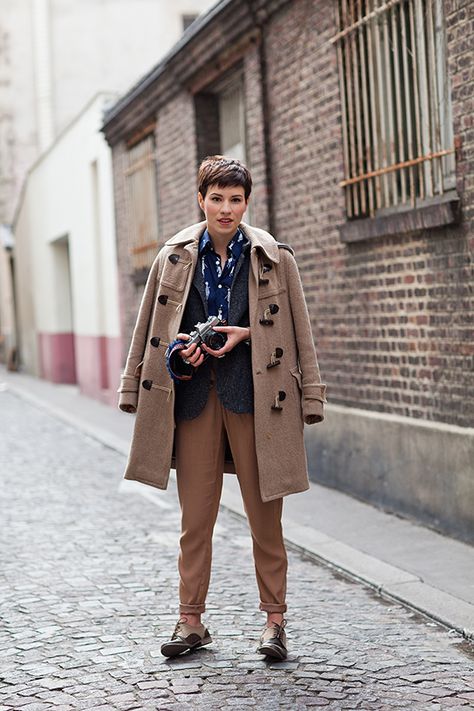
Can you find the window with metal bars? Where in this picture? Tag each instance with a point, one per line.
(142, 208)
(396, 109)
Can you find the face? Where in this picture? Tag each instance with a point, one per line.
(224, 209)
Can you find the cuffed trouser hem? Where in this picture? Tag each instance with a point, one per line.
(273, 607)
(199, 474)
(192, 609)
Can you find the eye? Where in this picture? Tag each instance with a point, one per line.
(237, 199)
(215, 199)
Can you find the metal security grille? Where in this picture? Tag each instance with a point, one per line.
(142, 209)
(396, 111)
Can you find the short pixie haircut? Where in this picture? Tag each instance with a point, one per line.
(225, 173)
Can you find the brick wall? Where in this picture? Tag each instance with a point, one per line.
(177, 203)
(255, 138)
(392, 317)
(177, 166)
(128, 297)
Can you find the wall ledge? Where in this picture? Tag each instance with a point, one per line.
(434, 212)
(398, 419)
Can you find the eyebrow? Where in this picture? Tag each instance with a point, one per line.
(220, 194)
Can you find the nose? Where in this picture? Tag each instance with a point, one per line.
(225, 207)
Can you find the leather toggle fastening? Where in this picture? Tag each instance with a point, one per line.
(275, 358)
(263, 281)
(279, 398)
(175, 258)
(147, 384)
(269, 311)
(164, 299)
(156, 341)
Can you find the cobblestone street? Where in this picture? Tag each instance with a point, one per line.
(88, 588)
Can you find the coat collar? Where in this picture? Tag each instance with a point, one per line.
(259, 239)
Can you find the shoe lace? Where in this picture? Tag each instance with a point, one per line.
(279, 628)
(178, 628)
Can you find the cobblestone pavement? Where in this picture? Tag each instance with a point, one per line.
(88, 585)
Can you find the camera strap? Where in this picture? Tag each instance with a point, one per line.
(177, 367)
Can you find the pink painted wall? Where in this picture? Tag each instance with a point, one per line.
(56, 357)
(93, 362)
(98, 367)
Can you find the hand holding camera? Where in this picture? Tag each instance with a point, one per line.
(205, 339)
(202, 335)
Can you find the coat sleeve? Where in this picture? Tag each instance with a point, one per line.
(129, 381)
(313, 391)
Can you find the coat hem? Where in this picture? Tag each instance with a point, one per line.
(284, 493)
(142, 480)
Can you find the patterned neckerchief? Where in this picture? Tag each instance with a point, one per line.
(218, 280)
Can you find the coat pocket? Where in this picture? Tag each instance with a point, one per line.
(296, 373)
(175, 274)
(138, 368)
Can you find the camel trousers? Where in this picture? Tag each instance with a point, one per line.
(200, 450)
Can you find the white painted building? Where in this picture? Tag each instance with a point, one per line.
(54, 56)
(66, 277)
(8, 338)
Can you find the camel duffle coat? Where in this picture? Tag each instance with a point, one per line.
(286, 395)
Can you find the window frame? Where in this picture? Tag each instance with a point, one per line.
(391, 165)
(141, 201)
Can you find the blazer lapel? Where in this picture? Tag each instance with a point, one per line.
(198, 284)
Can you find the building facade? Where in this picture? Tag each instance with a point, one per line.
(67, 291)
(356, 121)
(54, 56)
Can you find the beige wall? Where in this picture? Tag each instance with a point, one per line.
(65, 239)
(56, 54)
(7, 314)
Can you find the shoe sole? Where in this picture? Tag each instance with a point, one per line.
(172, 649)
(273, 652)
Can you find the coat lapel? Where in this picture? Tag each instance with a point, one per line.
(262, 244)
(259, 239)
(237, 304)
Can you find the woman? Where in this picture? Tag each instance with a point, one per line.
(237, 408)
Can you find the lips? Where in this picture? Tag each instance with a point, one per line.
(225, 222)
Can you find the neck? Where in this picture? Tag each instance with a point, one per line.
(220, 242)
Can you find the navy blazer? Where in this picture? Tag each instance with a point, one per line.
(233, 372)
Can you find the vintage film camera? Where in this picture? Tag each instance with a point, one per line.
(204, 333)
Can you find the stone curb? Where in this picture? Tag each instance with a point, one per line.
(387, 580)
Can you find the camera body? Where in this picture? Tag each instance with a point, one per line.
(204, 333)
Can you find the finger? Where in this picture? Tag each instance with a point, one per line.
(183, 336)
(221, 351)
(188, 351)
(200, 360)
(195, 356)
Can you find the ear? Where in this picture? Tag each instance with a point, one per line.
(201, 201)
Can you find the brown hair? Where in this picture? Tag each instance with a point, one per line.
(225, 173)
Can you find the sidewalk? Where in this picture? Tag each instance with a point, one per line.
(403, 561)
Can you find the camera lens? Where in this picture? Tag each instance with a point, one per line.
(216, 340)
